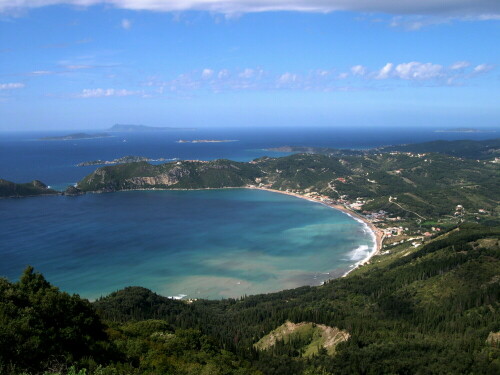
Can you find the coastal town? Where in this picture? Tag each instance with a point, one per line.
(392, 233)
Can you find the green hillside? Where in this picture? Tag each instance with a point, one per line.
(430, 310)
(407, 185)
(480, 150)
(468, 149)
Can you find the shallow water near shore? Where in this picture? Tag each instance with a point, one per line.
(202, 244)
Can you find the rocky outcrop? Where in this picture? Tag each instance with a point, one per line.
(170, 178)
(73, 191)
(314, 336)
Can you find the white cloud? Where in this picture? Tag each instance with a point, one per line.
(358, 70)
(384, 72)
(487, 9)
(207, 73)
(41, 73)
(247, 73)
(126, 24)
(224, 73)
(11, 86)
(483, 68)
(100, 93)
(361, 78)
(287, 78)
(418, 71)
(460, 65)
(78, 67)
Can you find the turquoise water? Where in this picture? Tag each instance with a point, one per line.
(202, 244)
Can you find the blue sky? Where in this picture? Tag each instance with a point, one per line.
(70, 64)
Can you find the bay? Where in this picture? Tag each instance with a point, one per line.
(202, 244)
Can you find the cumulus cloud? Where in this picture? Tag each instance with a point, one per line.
(247, 73)
(207, 73)
(358, 70)
(11, 86)
(483, 68)
(224, 73)
(418, 71)
(487, 9)
(287, 78)
(100, 93)
(360, 77)
(460, 65)
(385, 71)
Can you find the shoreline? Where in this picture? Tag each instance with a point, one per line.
(377, 234)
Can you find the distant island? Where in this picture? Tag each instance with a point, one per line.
(207, 141)
(75, 136)
(122, 160)
(142, 128)
(463, 130)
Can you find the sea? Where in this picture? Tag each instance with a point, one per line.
(211, 244)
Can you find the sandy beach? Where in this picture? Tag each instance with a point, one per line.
(377, 233)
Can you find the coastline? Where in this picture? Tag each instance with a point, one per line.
(377, 233)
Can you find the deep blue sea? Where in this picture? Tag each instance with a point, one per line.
(202, 244)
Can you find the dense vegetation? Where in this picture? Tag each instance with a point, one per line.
(477, 150)
(430, 311)
(480, 150)
(428, 185)
(12, 190)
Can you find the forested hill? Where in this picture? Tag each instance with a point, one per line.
(429, 185)
(468, 149)
(480, 150)
(428, 310)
